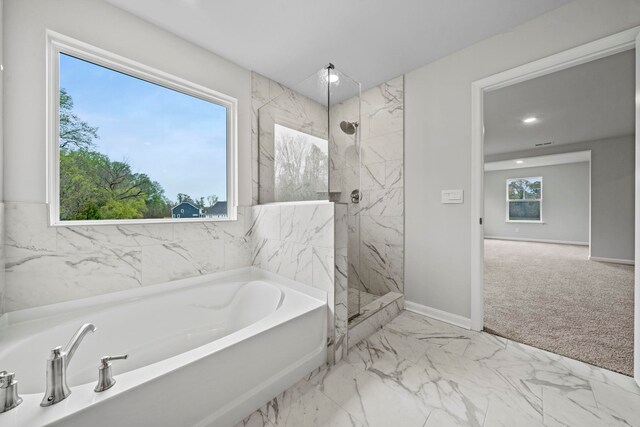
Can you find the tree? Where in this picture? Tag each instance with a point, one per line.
(185, 198)
(212, 200)
(301, 169)
(74, 133)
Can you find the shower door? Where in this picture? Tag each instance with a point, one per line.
(344, 170)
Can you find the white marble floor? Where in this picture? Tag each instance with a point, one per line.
(420, 372)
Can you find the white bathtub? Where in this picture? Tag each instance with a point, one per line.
(202, 351)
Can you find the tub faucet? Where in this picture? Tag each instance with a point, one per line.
(9, 398)
(57, 388)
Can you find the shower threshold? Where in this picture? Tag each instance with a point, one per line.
(373, 307)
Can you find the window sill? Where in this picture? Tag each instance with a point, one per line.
(92, 223)
(525, 221)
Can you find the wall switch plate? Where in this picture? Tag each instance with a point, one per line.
(452, 196)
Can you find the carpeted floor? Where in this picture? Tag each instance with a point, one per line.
(552, 297)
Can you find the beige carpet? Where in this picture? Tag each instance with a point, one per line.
(552, 297)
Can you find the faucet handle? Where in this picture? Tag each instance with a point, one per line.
(104, 360)
(56, 353)
(9, 398)
(105, 377)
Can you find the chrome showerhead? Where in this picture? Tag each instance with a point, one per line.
(348, 127)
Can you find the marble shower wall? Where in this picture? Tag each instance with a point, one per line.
(2, 255)
(376, 235)
(306, 242)
(45, 265)
(273, 103)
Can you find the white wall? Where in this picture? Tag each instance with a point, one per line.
(51, 264)
(438, 140)
(565, 204)
(612, 192)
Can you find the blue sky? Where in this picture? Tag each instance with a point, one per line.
(176, 139)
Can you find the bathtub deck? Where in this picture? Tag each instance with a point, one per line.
(420, 372)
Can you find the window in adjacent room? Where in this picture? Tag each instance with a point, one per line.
(524, 199)
(131, 143)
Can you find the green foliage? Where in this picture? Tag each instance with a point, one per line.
(524, 188)
(92, 186)
(123, 209)
(184, 198)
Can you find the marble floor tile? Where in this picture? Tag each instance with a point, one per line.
(423, 372)
(577, 367)
(501, 414)
(315, 409)
(560, 410)
(256, 419)
(619, 403)
(387, 344)
(366, 397)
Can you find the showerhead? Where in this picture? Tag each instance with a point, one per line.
(348, 127)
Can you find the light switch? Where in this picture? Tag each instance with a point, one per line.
(452, 196)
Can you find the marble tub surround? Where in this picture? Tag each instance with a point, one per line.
(45, 265)
(419, 371)
(2, 261)
(304, 241)
(273, 103)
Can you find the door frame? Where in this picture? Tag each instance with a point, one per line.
(597, 49)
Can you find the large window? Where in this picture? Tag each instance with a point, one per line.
(524, 199)
(129, 143)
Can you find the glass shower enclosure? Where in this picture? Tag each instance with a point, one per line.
(309, 148)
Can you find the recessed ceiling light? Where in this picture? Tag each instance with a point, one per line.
(519, 162)
(530, 120)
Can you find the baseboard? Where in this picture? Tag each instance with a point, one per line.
(524, 239)
(434, 313)
(612, 260)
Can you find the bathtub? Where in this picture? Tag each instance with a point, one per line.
(205, 351)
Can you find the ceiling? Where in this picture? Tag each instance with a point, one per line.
(370, 40)
(538, 161)
(587, 102)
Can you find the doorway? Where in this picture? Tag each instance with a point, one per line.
(526, 238)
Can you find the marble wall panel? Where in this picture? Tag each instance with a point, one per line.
(341, 264)
(306, 242)
(45, 265)
(2, 256)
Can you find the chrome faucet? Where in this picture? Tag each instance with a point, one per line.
(57, 388)
(9, 398)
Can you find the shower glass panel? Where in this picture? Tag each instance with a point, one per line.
(309, 149)
(293, 143)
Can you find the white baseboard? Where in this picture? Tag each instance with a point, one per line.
(434, 313)
(524, 239)
(612, 260)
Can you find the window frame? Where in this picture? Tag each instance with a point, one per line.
(57, 44)
(527, 221)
